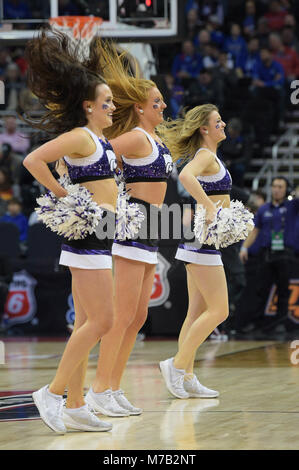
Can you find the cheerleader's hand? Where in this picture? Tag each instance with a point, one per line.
(211, 212)
(61, 193)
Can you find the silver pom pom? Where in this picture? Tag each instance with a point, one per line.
(128, 215)
(74, 216)
(231, 225)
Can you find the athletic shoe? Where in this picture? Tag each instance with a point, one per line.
(197, 390)
(82, 419)
(174, 378)
(50, 408)
(124, 402)
(105, 403)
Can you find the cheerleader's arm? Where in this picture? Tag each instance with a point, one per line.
(188, 177)
(75, 142)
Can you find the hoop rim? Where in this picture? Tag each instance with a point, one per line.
(75, 20)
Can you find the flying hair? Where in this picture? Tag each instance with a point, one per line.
(122, 74)
(60, 81)
(182, 136)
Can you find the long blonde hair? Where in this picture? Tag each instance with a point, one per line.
(127, 86)
(182, 136)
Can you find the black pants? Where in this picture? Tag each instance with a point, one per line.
(235, 273)
(3, 294)
(275, 268)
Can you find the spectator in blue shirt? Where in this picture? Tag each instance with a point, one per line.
(213, 27)
(267, 72)
(236, 44)
(268, 80)
(275, 224)
(14, 216)
(201, 40)
(188, 64)
(210, 57)
(249, 23)
(192, 24)
(263, 31)
(191, 5)
(249, 61)
(177, 94)
(212, 8)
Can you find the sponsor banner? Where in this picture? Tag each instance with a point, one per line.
(40, 301)
(20, 305)
(161, 288)
(271, 308)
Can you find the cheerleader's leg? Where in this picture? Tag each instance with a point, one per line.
(75, 387)
(133, 329)
(211, 282)
(128, 279)
(196, 307)
(100, 312)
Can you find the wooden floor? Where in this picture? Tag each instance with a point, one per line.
(258, 407)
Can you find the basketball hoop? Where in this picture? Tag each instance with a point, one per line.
(79, 29)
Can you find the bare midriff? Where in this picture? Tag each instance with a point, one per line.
(223, 198)
(104, 192)
(152, 192)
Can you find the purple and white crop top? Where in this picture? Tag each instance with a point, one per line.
(219, 183)
(155, 167)
(100, 165)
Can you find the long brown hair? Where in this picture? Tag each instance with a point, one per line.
(58, 78)
(125, 81)
(182, 136)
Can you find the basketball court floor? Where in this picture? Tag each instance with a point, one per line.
(258, 407)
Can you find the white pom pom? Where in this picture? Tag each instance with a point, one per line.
(128, 215)
(231, 225)
(73, 216)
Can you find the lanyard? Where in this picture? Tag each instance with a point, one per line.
(277, 238)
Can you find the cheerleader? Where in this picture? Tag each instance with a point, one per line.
(146, 164)
(81, 106)
(207, 180)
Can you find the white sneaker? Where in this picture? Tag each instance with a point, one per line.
(124, 402)
(83, 419)
(50, 408)
(105, 403)
(197, 390)
(174, 378)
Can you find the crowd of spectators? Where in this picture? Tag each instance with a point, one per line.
(243, 65)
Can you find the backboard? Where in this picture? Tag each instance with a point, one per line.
(123, 19)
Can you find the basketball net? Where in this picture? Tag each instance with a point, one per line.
(80, 31)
